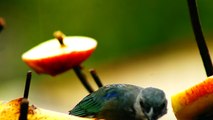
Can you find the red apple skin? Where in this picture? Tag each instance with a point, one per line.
(194, 102)
(197, 91)
(58, 64)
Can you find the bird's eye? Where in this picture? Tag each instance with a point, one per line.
(145, 107)
(162, 108)
(163, 105)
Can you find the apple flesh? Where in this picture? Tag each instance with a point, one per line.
(52, 58)
(195, 103)
(11, 111)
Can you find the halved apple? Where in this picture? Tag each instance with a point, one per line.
(11, 111)
(52, 58)
(195, 103)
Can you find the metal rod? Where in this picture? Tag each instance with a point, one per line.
(199, 37)
(25, 103)
(82, 78)
(24, 109)
(27, 84)
(96, 78)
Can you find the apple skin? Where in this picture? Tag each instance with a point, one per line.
(195, 102)
(60, 62)
(11, 111)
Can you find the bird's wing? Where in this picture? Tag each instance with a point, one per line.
(92, 104)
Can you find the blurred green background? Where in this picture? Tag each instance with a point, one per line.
(125, 30)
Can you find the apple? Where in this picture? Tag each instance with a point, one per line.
(53, 58)
(11, 111)
(195, 103)
(2, 24)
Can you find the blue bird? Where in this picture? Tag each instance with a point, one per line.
(123, 102)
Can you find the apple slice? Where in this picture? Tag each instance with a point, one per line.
(2, 24)
(195, 103)
(11, 111)
(53, 58)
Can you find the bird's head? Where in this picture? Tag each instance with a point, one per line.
(153, 103)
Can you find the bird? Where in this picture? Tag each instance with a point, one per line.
(123, 102)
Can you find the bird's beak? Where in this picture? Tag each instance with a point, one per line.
(150, 118)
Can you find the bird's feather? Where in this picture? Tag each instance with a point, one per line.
(93, 102)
